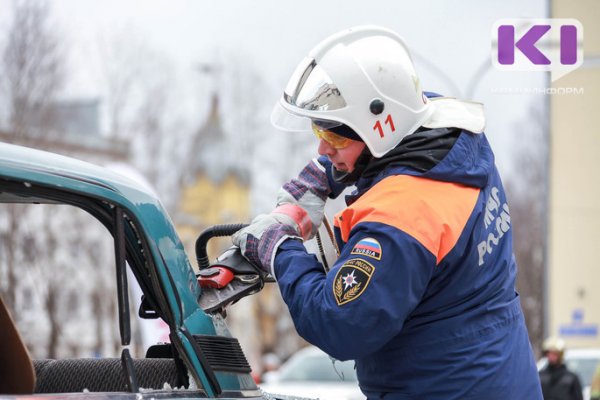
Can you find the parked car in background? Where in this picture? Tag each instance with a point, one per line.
(582, 362)
(312, 373)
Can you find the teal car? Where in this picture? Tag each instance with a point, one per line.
(203, 360)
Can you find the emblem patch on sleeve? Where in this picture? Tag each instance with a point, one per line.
(351, 280)
(369, 247)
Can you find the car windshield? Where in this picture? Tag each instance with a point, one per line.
(318, 368)
(584, 368)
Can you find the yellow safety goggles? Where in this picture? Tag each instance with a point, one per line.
(336, 141)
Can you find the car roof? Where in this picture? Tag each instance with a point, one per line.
(28, 163)
(311, 351)
(583, 353)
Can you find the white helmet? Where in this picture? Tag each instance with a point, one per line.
(363, 78)
(554, 343)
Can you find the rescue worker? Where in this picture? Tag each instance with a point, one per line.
(558, 383)
(422, 295)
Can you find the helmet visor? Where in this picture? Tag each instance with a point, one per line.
(310, 88)
(283, 119)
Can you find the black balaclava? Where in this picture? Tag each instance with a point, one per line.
(363, 160)
(421, 151)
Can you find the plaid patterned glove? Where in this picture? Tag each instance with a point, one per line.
(309, 191)
(259, 240)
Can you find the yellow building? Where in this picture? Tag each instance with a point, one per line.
(215, 188)
(573, 277)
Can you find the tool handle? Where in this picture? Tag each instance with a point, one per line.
(209, 233)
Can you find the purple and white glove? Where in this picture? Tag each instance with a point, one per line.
(309, 191)
(260, 240)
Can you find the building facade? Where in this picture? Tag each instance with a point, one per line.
(573, 273)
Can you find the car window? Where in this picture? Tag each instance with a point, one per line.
(318, 368)
(584, 368)
(61, 293)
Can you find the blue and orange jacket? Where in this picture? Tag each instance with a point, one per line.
(423, 293)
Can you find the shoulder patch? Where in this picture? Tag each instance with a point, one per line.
(369, 247)
(351, 280)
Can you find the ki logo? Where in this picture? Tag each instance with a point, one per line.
(554, 45)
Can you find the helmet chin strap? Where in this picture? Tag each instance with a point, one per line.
(350, 178)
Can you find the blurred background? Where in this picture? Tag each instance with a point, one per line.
(178, 95)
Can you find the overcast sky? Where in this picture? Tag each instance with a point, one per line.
(450, 41)
(455, 35)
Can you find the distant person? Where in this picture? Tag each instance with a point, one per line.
(558, 383)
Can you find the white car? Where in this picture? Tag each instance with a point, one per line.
(311, 373)
(583, 362)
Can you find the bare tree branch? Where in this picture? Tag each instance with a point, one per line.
(33, 69)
